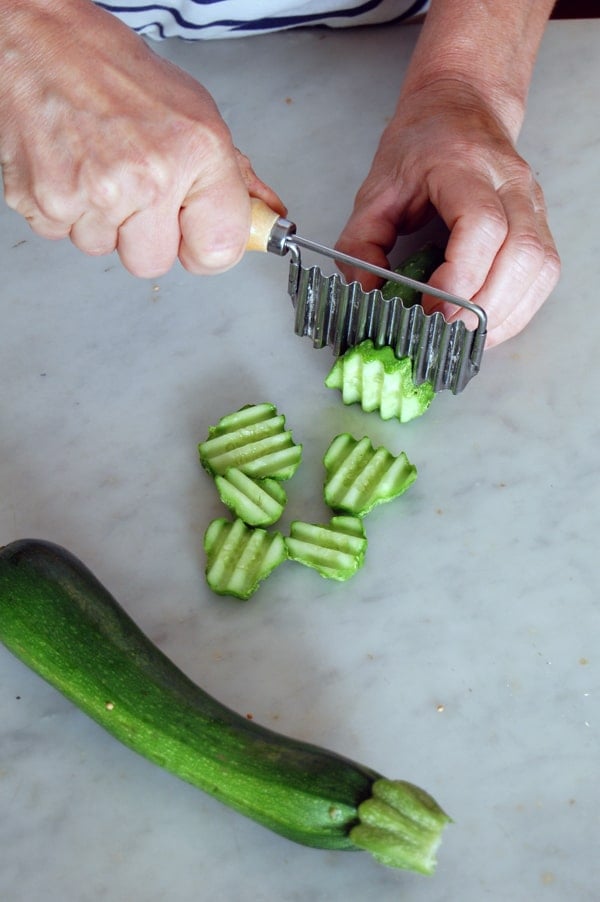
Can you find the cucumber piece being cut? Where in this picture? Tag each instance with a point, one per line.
(239, 557)
(420, 266)
(360, 476)
(336, 551)
(258, 502)
(377, 380)
(253, 440)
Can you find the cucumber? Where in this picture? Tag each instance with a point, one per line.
(336, 550)
(379, 381)
(60, 621)
(359, 476)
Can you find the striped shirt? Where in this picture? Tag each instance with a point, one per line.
(195, 19)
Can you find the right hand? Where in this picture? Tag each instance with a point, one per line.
(105, 142)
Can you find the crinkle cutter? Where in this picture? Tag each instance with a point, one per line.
(340, 315)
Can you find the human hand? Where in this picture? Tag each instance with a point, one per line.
(446, 151)
(105, 142)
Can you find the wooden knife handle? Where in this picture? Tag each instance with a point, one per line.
(263, 220)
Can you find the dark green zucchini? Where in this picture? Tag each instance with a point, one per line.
(58, 618)
(420, 265)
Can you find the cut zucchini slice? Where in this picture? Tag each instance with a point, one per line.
(377, 380)
(336, 551)
(253, 440)
(239, 557)
(258, 502)
(360, 476)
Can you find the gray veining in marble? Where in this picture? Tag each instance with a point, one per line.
(464, 656)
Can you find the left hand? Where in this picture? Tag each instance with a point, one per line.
(446, 151)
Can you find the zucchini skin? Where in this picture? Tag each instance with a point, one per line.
(58, 618)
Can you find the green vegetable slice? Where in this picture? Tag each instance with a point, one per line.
(253, 440)
(239, 557)
(336, 551)
(377, 380)
(258, 502)
(360, 476)
(420, 266)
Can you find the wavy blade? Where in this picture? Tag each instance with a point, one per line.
(340, 315)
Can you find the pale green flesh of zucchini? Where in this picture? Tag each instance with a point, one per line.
(258, 502)
(359, 476)
(239, 557)
(377, 380)
(336, 551)
(253, 440)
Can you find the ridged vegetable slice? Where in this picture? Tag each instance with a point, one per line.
(336, 551)
(253, 440)
(377, 380)
(360, 476)
(258, 502)
(239, 557)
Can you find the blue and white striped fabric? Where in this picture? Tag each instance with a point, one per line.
(195, 19)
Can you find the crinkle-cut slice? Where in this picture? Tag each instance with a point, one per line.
(377, 380)
(336, 550)
(254, 440)
(360, 476)
(239, 557)
(258, 502)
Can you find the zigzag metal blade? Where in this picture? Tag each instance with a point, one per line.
(333, 313)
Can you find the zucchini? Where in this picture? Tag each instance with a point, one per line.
(360, 476)
(254, 440)
(258, 502)
(60, 621)
(239, 557)
(420, 266)
(373, 376)
(379, 381)
(336, 550)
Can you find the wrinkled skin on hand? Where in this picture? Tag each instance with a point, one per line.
(106, 143)
(446, 152)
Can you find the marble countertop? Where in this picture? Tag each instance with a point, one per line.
(463, 657)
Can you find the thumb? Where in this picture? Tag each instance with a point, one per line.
(214, 221)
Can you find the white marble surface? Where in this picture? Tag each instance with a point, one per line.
(480, 591)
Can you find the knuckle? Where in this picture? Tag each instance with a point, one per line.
(529, 252)
(54, 206)
(551, 268)
(104, 192)
(211, 147)
(493, 222)
(521, 174)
